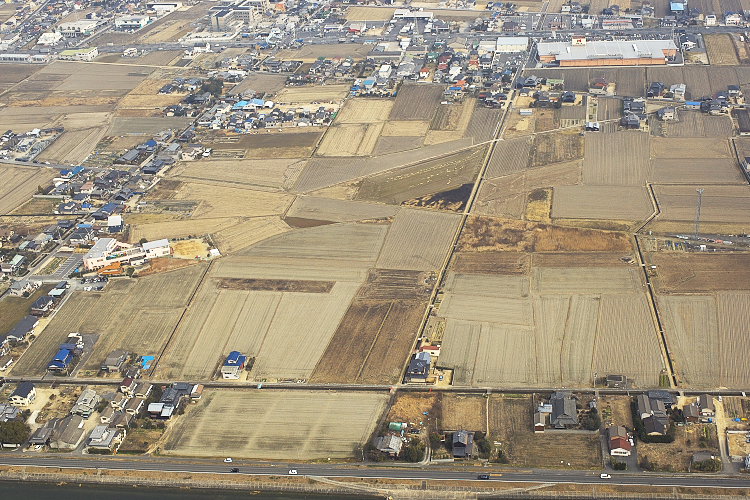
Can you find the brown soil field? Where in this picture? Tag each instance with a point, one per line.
(491, 262)
(237, 237)
(356, 13)
(299, 426)
(418, 240)
(372, 342)
(509, 156)
(483, 123)
(581, 259)
(364, 111)
(393, 284)
(619, 203)
(409, 407)
(427, 178)
(615, 410)
(349, 140)
(145, 125)
(691, 272)
(36, 206)
(219, 201)
(463, 412)
(393, 128)
(453, 117)
(689, 148)
(676, 456)
(260, 82)
(164, 264)
(511, 423)
(194, 248)
(720, 204)
(619, 159)
(269, 145)
(721, 51)
(490, 234)
(307, 286)
(15, 73)
(556, 147)
(324, 209)
(694, 124)
(416, 102)
(703, 171)
(73, 147)
(19, 184)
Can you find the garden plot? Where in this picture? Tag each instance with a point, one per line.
(627, 203)
(418, 240)
(619, 159)
(137, 315)
(296, 425)
(309, 207)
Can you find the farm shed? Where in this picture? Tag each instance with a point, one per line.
(743, 120)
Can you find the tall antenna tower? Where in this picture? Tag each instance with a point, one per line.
(698, 211)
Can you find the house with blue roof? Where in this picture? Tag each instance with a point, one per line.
(233, 365)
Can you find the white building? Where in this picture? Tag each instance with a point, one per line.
(509, 44)
(131, 23)
(51, 38)
(163, 8)
(83, 27)
(710, 20)
(158, 248)
(88, 54)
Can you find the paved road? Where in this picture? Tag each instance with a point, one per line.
(347, 470)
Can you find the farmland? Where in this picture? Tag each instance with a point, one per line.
(141, 315)
(721, 204)
(703, 171)
(266, 174)
(416, 102)
(297, 425)
(364, 111)
(721, 51)
(595, 202)
(19, 183)
(349, 140)
(619, 159)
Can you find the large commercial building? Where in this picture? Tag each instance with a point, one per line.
(580, 52)
(510, 44)
(108, 251)
(131, 23)
(231, 13)
(88, 54)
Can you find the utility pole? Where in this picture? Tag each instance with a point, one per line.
(698, 211)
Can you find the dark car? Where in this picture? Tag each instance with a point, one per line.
(234, 469)
(483, 476)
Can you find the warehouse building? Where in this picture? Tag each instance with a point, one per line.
(510, 44)
(580, 52)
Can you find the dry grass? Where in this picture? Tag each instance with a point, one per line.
(721, 51)
(491, 234)
(676, 456)
(350, 140)
(463, 412)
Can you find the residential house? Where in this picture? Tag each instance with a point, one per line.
(143, 390)
(134, 406)
(539, 422)
(106, 416)
(119, 401)
(114, 362)
(667, 114)
(14, 265)
(127, 386)
(419, 368)
(706, 405)
(86, 404)
(564, 412)
(463, 444)
(24, 395)
(104, 437)
(68, 433)
(42, 435)
(43, 306)
(619, 441)
(8, 412)
(22, 329)
(655, 426)
(233, 365)
(390, 445)
(21, 287)
(691, 413)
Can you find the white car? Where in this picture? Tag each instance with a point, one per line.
(292, 472)
(227, 460)
(605, 476)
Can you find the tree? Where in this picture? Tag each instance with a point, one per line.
(483, 444)
(618, 465)
(142, 241)
(435, 440)
(14, 432)
(213, 86)
(130, 271)
(414, 451)
(591, 421)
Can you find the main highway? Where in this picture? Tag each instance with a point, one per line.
(424, 473)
